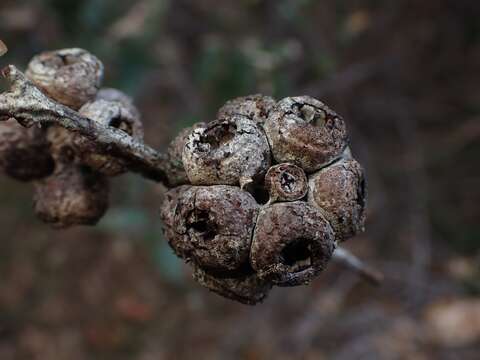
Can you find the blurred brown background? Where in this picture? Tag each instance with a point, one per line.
(404, 74)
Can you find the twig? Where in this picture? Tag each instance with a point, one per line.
(29, 106)
(346, 258)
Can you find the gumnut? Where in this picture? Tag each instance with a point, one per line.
(108, 113)
(256, 107)
(111, 94)
(61, 148)
(69, 76)
(74, 194)
(211, 226)
(304, 131)
(230, 151)
(176, 171)
(247, 289)
(292, 243)
(24, 152)
(339, 191)
(168, 210)
(286, 182)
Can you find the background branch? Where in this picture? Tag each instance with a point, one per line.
(353, 263)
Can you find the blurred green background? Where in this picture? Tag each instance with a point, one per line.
(405, 76)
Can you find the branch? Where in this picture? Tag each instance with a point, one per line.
(349, 260)
(29, 106)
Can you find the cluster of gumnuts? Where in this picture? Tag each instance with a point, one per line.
(260, 196)
(70, 176)
(271, 189)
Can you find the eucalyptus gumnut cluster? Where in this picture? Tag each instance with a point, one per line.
(70, 173)
(264, 193)
(259, 197)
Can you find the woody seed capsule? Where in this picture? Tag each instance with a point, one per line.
(304, 131)
(115, 95)
(69, 76)
(339, 191)
(246, 289)
(286, 182)
(24, 152)
(168, 211)
(211, 226)
(108, 113)
(73, 194)
(176, 171)
(292, 243)
(231, 151)
(255, 107)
